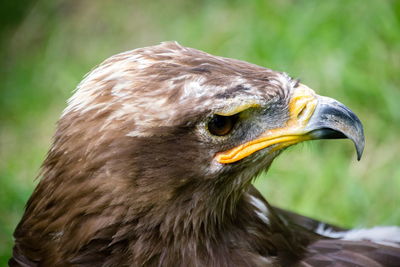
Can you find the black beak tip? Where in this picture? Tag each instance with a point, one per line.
(357, 135)
(359, 144)
(359, 154)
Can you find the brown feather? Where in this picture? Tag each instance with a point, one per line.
(129, 179)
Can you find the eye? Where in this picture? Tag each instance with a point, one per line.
(222, 125)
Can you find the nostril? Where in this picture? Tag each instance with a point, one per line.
(302, 107)
(302, 112)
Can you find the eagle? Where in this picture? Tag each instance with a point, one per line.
(152, 164)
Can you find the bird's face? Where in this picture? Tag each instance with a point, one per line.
(247, 134)
(194, 117)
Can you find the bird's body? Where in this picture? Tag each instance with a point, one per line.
(152, 164)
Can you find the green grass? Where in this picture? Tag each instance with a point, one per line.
(349, 50)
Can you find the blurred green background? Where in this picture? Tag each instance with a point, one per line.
(349, 50)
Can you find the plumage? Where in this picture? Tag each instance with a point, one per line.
(152, 162)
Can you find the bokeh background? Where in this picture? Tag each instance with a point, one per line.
(349, 50)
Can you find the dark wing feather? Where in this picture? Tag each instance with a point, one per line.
(303, 221)
(336, 252)
(324, 251)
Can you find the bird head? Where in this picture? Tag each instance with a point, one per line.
(167, 123)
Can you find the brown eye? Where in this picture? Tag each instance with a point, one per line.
(222, 125)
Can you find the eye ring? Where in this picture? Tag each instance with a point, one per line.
(221, 125)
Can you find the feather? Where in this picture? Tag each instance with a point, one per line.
(132, 177)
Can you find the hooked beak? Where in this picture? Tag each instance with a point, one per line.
(311, 117)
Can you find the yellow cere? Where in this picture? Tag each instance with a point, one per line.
(301, 107)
